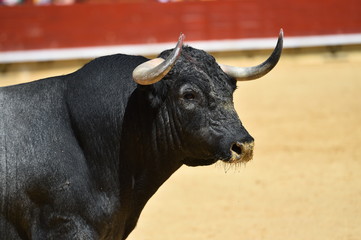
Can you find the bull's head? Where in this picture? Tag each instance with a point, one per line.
(195, 98)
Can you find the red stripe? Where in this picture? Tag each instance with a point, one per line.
(80, 25)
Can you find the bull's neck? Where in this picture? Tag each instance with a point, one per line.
(145, 161)
(96, 110)
(146, 147)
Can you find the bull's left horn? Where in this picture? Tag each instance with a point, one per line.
(250, 73)
(154, 70)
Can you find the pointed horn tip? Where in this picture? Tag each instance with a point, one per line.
(281, 33)
(178, 47)
(180, 40)
(280, 37)
(182, 37)
(279, 45)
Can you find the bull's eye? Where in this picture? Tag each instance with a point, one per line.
(189, 96)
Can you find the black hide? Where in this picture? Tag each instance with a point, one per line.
(81, 154)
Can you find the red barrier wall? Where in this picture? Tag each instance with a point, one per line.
(79, 25)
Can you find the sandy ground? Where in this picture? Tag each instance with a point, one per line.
(305, 180)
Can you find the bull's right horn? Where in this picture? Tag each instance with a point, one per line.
(250, 73)
(154, 70)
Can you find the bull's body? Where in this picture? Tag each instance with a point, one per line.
(81, 154)
(60, 150)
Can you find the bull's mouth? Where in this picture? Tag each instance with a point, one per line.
(199, 162)
(241, 152)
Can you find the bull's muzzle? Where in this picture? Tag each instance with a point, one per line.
(241, 152)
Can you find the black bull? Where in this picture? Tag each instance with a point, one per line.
(81, 154)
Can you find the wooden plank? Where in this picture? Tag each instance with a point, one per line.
(80, 25)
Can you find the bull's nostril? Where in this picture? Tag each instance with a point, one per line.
(241, 152)
(237, 148)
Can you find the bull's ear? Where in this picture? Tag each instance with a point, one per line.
(154, 94)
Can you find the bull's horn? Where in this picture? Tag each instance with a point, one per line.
(154, 70)
(250, 73)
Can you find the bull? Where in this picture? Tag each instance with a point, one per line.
(81, 154)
